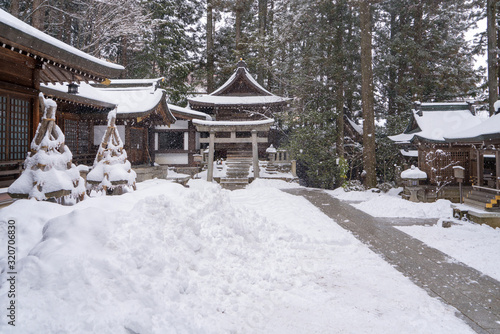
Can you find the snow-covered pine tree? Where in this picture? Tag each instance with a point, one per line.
(49, 173)
(112, 172)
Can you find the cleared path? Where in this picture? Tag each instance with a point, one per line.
(474, 295)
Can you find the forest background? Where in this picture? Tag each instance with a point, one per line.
(309, 50)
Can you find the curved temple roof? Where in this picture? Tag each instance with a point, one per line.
(240, 89)
(62, 62)
(437, 121)
(130, 102)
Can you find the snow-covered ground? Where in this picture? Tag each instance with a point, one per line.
(475, 245)
(169, 259)
(390, 204)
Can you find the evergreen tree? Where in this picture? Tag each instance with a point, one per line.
(171, 45)
(312, 67)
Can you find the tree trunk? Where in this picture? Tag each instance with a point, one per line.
(262, 40)
(37, 17)
(238, 10)
(339, 45)
(14, 8)
(210, 48)
(367, 98)
(270, 56)
(492, 55)
(124, 54)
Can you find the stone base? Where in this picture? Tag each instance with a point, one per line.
(477, 216)
(150, 172)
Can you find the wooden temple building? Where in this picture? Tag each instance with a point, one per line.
(446, 135)
(29, 58)
(141, 107)
(425, 138)
(240, 99)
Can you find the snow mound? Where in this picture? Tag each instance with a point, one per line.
(169, 259)
(398, 207)
(269, 183)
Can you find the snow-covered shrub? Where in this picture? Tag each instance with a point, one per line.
(48, 169)
(353, 185)
(386, 186)
(112, 172)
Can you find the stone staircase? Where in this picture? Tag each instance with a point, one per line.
(238, 167)
(483, 198)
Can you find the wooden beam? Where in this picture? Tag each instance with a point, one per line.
(234, 140)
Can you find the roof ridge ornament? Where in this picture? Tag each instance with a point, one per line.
(242, 63)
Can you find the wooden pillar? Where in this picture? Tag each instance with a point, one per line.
(191, 144)
(36, 102)
(151, 145)
(255, 155)
(497, 174)
(479, 168)
(211, 147)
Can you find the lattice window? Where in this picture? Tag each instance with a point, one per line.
(71, 134)
(18, 131)
(171, 140)
(136, 139)
(77, 135)
(3, 128)
(83, 137)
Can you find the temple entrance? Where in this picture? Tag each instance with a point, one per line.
(225, 134)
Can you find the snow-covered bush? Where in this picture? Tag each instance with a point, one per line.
(353, 185)
(112, 172)
(48, 169)
(386, 186)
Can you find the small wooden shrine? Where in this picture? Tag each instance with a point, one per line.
(240, 98)
(425, 137)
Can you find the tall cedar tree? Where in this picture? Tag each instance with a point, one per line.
(367, 92)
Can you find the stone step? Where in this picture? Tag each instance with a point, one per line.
(481, 197)
(234, 180)
(475, 203)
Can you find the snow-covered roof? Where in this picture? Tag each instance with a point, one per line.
(136, 81)
(488, 129)
(240, 89)
(18, 35)
(232, 123)
(435, 121)
(409, 153)
(188, 113)
(262, 125)
(241, 70)
(237, 100)
(130, 102)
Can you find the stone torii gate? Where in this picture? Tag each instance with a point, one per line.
(213, 127)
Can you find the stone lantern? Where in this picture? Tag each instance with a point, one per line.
(271, 167)
(411, 178)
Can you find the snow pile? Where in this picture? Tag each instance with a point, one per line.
(48, 169)
(169, 259)
(111, 171)
(390, 204)
(475, 245)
